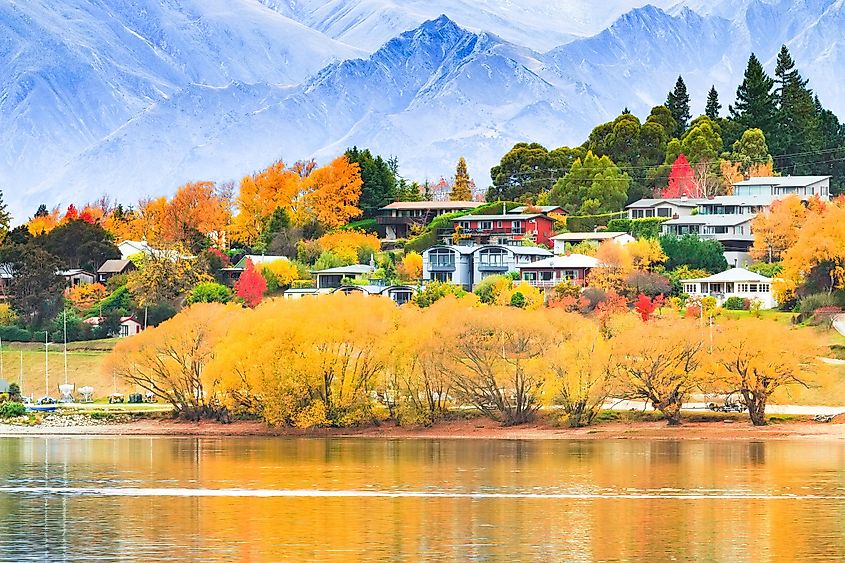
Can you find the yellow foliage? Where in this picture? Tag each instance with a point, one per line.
(284, 272)
(85, 296)
(776, 230)
(615, 263)
(170, 360)
(259, 196)
(645, 253)
(330, 194)
(411, 267)
(820, 243)
(350, 245)
(7, 314)
(43, 224)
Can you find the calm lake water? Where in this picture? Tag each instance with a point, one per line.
(268, 499)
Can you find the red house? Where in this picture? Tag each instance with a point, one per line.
(510, 229)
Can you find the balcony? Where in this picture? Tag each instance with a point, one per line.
(387, 220)
(442, 266)
(492, 266)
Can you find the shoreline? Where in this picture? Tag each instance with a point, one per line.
(480, 429)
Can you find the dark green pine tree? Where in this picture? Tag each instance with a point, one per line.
(755, 100)
(5, 216)
(713, 106)
(678, 103)
(832, 138)
(379, 180)
(797, 119)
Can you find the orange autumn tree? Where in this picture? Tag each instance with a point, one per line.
(330, 195)
(86, 295)
(817, 258)
(352, 246)
(197, 208)
(259, 195)
(43, 223)
(411, 267)
(615, 263)
(776, 230)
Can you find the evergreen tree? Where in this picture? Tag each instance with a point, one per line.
(755, 101)
(460, 187)
(678, 103)
(713, 106)
(5, 217)
(797, 118)
(42, 211)
(379, 180)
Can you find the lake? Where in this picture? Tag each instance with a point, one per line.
(276, 499)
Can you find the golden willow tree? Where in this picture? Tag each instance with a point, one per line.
(170, 360)
(756, 359)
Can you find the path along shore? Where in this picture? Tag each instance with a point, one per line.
(727, 428)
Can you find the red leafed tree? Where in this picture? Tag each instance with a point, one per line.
(72, 214)
(681, 180)
(644, 306)
(251, 285)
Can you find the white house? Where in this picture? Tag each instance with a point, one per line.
(332, 278)
(736, 282)
(733, 231)
(661, 207)
(563, 242)
(468, 265)
(572, 268)
(781, 186)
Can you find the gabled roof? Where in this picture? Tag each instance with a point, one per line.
(676, 201)
(114, 266)
(541, 208)
(456, 205)
(784, 181)
(712, 220)
(354, 270)
(564, 261)
(509, 217)
(733, 275)
(75, 272)
(598, 235)
(257, 259)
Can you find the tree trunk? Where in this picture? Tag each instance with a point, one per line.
(757, 411)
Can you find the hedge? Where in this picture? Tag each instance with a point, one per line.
(648, 227)
(588, 223)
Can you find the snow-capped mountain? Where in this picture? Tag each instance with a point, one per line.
(136, 97)
(537, 24)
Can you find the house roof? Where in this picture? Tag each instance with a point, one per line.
(755, 200)
(511, 216)
(676, 201)
(75, 272)
(521, 250)
(564, 261)
(712, 220)
(456, 205)
(541, 208)
(114, 266)
(785, 181)
(257, 259)
(355, 270)
(6, 272)
(127, 319)
(599, 235)
(733, 275)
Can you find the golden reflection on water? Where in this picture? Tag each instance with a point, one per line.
(594, 524)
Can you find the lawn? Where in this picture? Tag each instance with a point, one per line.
(24, 363)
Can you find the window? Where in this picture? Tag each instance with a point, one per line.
(719, 230)
(486, 225)
(545, 276)
(493, 257)
(498, 224)
(664, 212)
(516, 227)
(649, 212)
(570, 275)
(441, 258)
(529, 276)
(442, 277)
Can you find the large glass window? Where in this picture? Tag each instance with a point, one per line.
(486, 225)
(493, 257)
(516, 227)
(545, 276)
(441, 258)
(442, 277)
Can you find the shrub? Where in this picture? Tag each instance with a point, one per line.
(812, 303)
(15, 334)
(209, 292)
(737, 304)
(589, 223)
(647, 227)
(12, 410)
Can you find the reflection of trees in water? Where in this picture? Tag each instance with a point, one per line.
(757, 453)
